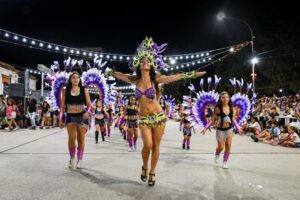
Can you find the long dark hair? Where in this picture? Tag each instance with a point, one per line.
(164, 103)
(129, 100)
(220, 106)
(255, 119)
(285, 129)
(153, 75)
(47, 104)
(109, 110)
(12, 102)
(69, 86)
(102, 106)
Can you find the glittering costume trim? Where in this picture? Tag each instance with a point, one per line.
(223, 134)
(148, 48)
(153, 120)
(189, 75)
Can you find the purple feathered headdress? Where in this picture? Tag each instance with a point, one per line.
(148, 48)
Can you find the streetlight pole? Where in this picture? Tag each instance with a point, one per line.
(254, 60)
(252, 49)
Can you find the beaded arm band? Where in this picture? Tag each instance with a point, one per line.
(189, 75)
(110, 73)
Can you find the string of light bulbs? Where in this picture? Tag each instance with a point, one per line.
(32, 71)
(127, 87)
(207, 59)
(232, 50)
(223, 57)
(18, 39)
(128, 93)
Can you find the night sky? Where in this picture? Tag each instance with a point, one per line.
(118, 26)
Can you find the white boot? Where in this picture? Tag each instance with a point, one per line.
(79, 164)
(217, 158)
(225, 166)
(72, 164)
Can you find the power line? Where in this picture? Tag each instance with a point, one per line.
(277, 49)
(279, 55)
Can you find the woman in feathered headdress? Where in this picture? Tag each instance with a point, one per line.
(152, 118)
(225, 115)
(74, 100)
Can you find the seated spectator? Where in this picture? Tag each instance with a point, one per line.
(262, 134)
(258, 108)
(270, 115)
(252, 127)
(11, 114)
(284, 135)
(274, 134)
(45, 115)
(271, 132)
(293, 140)
(275, 141)
(289, 111)
(296, 113)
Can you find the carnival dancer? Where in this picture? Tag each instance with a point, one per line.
(225, 117)
(187, 132)
(132, 123)
(74, 100)
(100, 117)
(109, 118)
(152, 119)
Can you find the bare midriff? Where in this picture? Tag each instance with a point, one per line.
(225, 124)
(132, 117)
(73, 109)
(149, 106)
(99, 116)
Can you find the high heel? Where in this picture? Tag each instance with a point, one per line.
(151, 182)
(144, 174)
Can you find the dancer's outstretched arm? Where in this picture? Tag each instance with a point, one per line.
(121, 76)
(179, 76)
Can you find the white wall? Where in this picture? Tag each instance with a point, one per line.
(32, 84)
(6, 72)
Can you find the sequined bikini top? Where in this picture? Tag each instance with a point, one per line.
(149, 93)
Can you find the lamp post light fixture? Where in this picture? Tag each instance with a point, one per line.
(220, 17)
